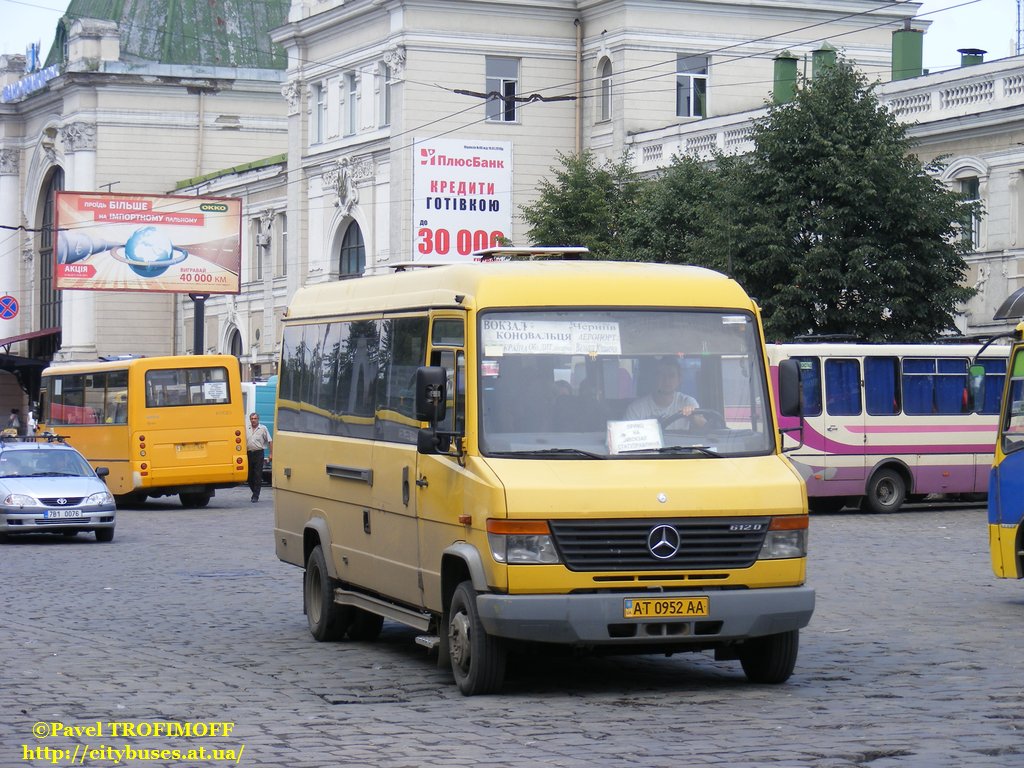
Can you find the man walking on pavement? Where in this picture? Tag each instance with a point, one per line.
(256, 439)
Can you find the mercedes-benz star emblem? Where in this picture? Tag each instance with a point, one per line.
(663, 541)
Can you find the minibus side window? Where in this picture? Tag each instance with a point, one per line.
(882, 385)
(842, 387)
(403, 350)
(810, 385)
(1013, 424)
(454, 364)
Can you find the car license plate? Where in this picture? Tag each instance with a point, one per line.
(60, 514)
(664, 607)
(191, 447)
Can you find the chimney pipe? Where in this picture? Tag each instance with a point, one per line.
(971, 56)
(907, 53)
(784, 89)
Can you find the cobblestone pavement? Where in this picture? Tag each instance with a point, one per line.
(913, 658)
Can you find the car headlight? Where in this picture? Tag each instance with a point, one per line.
(786, 538)
(21, 500)
(101, 497)
(521, 542)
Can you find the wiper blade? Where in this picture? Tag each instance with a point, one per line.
(701, 449)
(554, 452)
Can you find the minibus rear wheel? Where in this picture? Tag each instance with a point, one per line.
(770, 659)
(327, 620)
(478, 659)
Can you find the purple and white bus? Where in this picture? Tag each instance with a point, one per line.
(887, 423)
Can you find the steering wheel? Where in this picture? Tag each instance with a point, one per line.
(713, 420)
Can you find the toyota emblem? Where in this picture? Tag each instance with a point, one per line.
(62, 501)
(663, 541)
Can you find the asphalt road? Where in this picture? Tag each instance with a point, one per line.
(185, 633)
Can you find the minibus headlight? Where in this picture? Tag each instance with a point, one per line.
(521, 542)
(786, 538)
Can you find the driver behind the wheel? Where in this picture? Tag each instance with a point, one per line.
(667, 404)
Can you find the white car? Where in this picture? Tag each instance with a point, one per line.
(46, 486)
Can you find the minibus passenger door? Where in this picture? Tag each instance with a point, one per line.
(440, 474)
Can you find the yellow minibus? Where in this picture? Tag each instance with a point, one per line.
(164, 426)
(555, 453)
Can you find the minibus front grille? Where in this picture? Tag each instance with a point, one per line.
(698, 543)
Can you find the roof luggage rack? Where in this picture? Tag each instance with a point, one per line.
(502, 253)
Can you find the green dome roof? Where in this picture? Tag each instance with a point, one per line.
(211, 33)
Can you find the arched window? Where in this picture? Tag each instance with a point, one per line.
(353, 253)
(235, 343)
(49, 297)
(606, 90)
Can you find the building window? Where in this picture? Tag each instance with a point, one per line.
(49, 297)
(606, 90)
(351, 103)
(319, 113)
(970, 189)
(691, 86)
(384, 73)
(353, 253)
(259, 241)
(502, 79)
(282, 251)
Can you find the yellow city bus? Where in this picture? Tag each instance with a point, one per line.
(164, 426)
(464, 449)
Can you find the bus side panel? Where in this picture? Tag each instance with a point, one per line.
(1005, 515)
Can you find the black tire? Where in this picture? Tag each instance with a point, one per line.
(770, 659)
(365, 626)
(886, 492)
(195, 500)
(826, 504)
(104, 534)
(327, 620)
(478, 659)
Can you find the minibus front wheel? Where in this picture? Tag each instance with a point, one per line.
(478, 659)
(327, 620)
(770, 659)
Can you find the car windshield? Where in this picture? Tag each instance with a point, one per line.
(33, 462)
(619, 384)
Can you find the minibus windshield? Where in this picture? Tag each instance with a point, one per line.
(622, 384)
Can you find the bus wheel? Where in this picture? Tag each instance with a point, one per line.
(365, 626)
(770, 659)
(478, 660)
(886, 492)
(194, 500)
(327, 620)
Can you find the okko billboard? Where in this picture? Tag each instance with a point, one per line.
(462, 197)
(165, 243)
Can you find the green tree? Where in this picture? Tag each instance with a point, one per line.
(845, 231)
(583, 205)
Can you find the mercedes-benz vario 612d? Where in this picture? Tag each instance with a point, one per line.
(557, 453)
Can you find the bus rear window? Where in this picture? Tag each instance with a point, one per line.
(187, 386)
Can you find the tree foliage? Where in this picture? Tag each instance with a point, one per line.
(831, 222)
(849, 233)
(583, 205)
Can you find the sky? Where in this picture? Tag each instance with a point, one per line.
(987, 24)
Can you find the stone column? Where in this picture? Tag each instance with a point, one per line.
(78, 315)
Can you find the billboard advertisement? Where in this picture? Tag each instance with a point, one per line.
(165, 243)
(462, 197)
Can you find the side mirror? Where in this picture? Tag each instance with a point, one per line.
(975, 388)
(431, 385)
(789, 388)
(102, 472)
